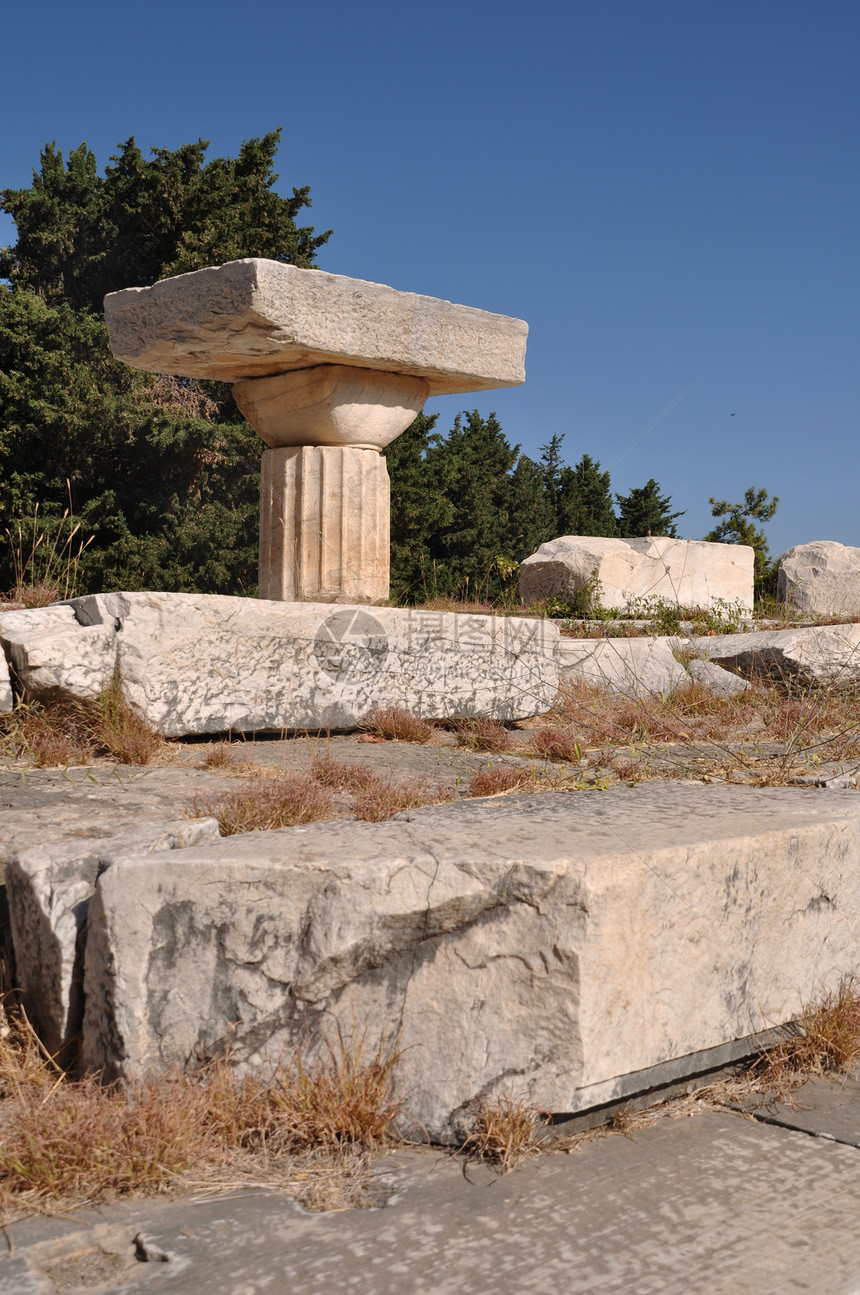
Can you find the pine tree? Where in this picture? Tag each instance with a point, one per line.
(646, 512)
(420, 508)
(585, 500)
(738, 527)
(472, 465)
(81, 235)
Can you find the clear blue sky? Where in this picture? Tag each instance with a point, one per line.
(667, 191)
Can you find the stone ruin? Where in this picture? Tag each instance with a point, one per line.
(571, 949)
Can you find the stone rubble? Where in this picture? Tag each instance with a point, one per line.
(635, 667)
(719, 681)
(820, 654)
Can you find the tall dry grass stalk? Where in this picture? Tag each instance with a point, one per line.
(46, 558)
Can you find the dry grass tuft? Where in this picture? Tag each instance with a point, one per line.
(344, 775)
(40, 593)
(49, 737)
(503, 1130)
(220, 756)
(825, 1038)
(397, 725)
(59, 733)
(70, 1142)
(629, 769)
(495, 780)
(265, 803)
(343, 1099)
(383, 798)
(482, 734)
(116, 727)
(557, 744)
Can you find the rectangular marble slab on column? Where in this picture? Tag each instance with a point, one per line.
(256, 317)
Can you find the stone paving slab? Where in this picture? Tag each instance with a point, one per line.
(42, 806)
(713, 1203)
(827, 1107)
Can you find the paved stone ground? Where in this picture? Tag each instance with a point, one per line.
(37, 805)
(713, 1203)
(41, 805)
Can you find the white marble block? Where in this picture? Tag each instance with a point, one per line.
(617, 573)
(821, 578)
(571, 949)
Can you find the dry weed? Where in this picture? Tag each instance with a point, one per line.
(45, 557)
(265, 803)
(116, 728)
(824, 1038)
(67, 1142)
(49, 737)
(384, 798)
(220, 756)
(557, 744)
(629, 768)
(495, 780)
(342, 1099)
(344, 774)
(60, 732)
(396, 725)
(502, 1130)
(818, 724)
(482, 734)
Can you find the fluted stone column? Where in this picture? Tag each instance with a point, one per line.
(324, 525)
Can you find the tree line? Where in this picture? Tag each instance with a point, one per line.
(163, 472)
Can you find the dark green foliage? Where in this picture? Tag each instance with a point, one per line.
(158, 471)
(646, 512)
(419, 508)
(81, 235)
(738, 526)
(451, 516)
(586, 500)
(466, 508)
(164, 472)
(531, 509)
